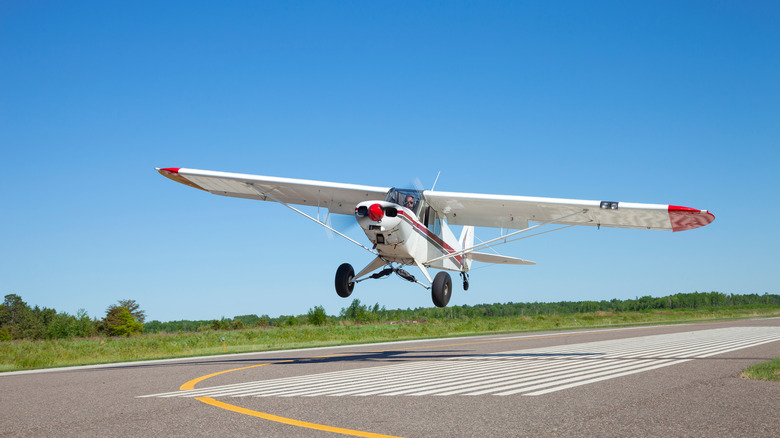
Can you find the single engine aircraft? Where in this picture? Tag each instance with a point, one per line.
(410, 227)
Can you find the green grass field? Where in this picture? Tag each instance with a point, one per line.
(20, 355)
(769, 370)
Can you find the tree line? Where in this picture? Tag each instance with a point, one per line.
(20, 321)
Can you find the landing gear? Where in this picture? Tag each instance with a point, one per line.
(465, 278)
(345, 283)
(441, 290)
(441, 286)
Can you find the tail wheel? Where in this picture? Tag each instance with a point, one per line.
(465, 278)
(441, 290)
(344, 280)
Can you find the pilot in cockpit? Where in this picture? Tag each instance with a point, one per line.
(409, 202)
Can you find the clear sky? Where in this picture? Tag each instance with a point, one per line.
(663, 102)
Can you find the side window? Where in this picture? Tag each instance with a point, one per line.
(433, 223)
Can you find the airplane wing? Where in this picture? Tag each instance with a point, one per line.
(497, 211)
(514, 212)
(336, 197)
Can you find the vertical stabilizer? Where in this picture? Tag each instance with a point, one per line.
(466, 241)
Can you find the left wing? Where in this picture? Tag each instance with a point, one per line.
(514, 212)
(336, 197)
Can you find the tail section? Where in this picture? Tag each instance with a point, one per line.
(498, 259)
(466, 241)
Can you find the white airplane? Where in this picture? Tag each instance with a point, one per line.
(409, 227)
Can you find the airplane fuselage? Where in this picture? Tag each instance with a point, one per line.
(399, 236)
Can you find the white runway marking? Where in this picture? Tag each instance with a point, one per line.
(528, 372)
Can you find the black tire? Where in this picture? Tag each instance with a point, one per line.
(344, 280)
(441, 290)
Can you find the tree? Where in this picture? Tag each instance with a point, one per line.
(588, 307)
(19, 320)
(125, 319)
(220, 324)
(124, 323)
(247, 320)
(84, 325)
(317, 316)
(134, 309)
(356, 312)
(11, 309)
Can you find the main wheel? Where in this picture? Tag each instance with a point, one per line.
(344, 280)
(441, 290)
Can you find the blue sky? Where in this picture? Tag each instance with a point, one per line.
(661, 102)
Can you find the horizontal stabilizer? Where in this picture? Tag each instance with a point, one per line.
(496, 258)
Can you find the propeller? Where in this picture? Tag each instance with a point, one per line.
(417, 184)
(341, 222)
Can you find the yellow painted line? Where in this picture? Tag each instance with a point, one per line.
(290, 421)
(191, 384)
(284, 420)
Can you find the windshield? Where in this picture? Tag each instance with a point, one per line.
(408, 198)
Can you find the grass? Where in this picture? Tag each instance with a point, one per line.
(769, 370)
(21, 355)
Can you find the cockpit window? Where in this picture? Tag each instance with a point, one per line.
(408, 198)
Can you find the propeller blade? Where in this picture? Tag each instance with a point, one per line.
(340, 222)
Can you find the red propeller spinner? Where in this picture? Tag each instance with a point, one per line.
(375, 212)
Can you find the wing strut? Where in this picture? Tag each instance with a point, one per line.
(504, 237)
(264, 193)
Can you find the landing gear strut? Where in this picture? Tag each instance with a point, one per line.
(441, 287)
(345, 278)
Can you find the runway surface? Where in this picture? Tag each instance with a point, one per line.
(644, 381)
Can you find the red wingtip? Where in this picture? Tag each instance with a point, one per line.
(686, 218)
(173, 173)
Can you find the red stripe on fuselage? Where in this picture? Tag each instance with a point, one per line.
(420, 228)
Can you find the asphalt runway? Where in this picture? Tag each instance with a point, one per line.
(679, 380)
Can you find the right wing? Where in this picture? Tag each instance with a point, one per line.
(336, 197)
(514, 212)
